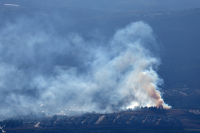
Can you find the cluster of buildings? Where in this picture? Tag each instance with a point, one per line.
(114, 118)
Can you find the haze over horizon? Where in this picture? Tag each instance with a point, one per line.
(114, 5)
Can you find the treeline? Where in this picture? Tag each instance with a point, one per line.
(11, 123)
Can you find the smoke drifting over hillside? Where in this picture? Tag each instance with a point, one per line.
(40, 68)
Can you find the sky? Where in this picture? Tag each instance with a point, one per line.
(114, 5)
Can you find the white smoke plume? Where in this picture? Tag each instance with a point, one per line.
(40, 68)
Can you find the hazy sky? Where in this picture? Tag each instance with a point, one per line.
(117, 5)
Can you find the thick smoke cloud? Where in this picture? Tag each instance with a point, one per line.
(41, 69)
